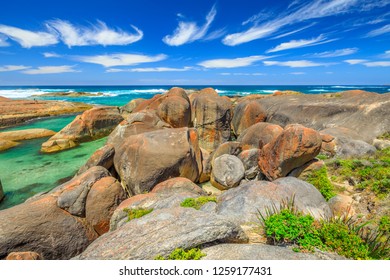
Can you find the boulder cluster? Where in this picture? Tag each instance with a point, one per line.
(174, 146)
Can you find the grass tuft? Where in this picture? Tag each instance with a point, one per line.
(197, 203)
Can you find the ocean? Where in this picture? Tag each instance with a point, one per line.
(24, 171)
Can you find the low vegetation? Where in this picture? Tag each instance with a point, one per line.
(197, 203)
(181, 254)
(136, 213)
(343, 235)
(371, 173)
(319, 179)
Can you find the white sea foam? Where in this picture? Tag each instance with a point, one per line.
(344, 87)
(320, 90)
(268, 91)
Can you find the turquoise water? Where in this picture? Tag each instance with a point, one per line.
(24, 171)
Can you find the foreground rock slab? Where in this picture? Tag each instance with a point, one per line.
(161, 232)
(261, 252)
(242, 204)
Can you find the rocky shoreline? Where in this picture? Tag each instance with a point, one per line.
(242, 155)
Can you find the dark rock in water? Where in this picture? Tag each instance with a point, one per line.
(242, 204)
(211, 116)
(72, 195)
(40, 226)
(144, 160)
(103, 198)
(262, 252)
(102, 157)
(31, 256)
(1, 192)
(246, 114)
(91, 125)
(79, 155)
(162, 231)
(294, 147)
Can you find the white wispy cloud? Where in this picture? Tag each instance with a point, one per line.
(297, 73)
(355, 61)
(188, 32)
(120, 59)
(3, 41)
(312, 10)
(294, 44)
(242, 74)
(368, 63)
(51, 70)
(28, 39)
(98, 34)
(50, 54)
(337, 53)
(232, 62)
(294, 63)
(293, 32)
(8, 68)
(150, 69)
(387, 54)
(380, 31)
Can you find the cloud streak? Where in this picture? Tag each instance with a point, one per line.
(28, 39)
(232, 62)
(310, 10)
(98, 34)
(380, 31)
(51, 70)
(294, 44)
(368, 63)
(188, 32)
(9, 68)
(120, 59)
(294, 63)
(150, 69)
(336, 53)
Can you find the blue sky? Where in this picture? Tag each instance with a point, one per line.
(194, 42)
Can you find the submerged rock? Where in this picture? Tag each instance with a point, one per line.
(26, 134)
(1, 192)
(6, 144)
(162, 231)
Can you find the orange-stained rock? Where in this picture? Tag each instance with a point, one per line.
(175, 110)
(136, 123)
(129, 107)
(211, 116)
(102, 200)
(6, 144)
(38, 225)
(176, 185)
(246, 114)
(144, 160)
(328, 146)
(294, 147)
(26, 134)
(308, 168)
(102, 157)
(92, 124)
(259, 134)
(13, 112)
(206, 166)
(286, 92)
(21, 256)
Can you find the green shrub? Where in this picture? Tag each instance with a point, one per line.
(197, 203)
(136, 213)
(319, 179)
(322, 157)
(180, 254)
(344, 235)
(384, 224)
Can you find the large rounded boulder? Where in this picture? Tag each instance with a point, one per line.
(294, 147)
(246, 114)
(211, 116)
(144, 160)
